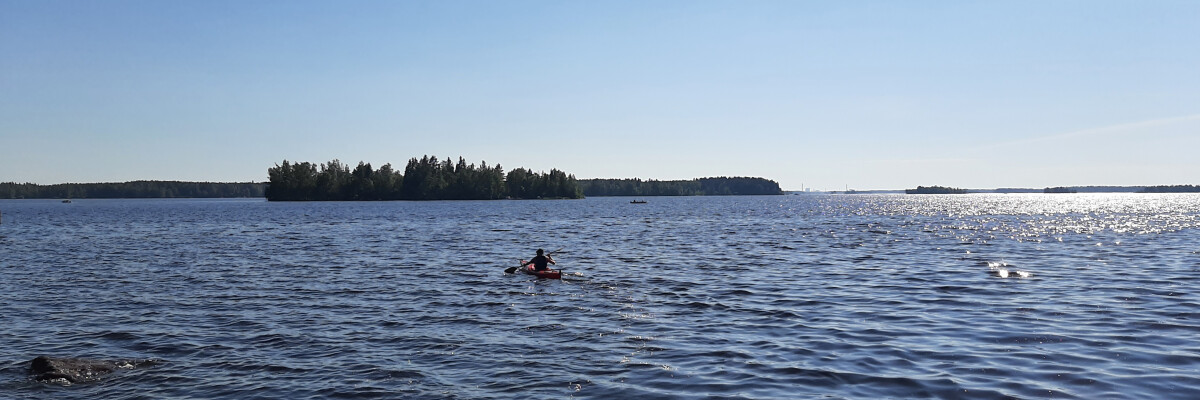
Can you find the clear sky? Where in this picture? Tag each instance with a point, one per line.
(824, 94)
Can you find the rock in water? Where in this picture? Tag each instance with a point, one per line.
(76, 370)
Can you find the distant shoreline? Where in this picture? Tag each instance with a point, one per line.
(133, 190)
(1055, 190)
(233, 190)
(146, 189)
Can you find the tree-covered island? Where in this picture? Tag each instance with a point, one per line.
(935, 190)
(1171, 189)
(426, 178)
(429, 178)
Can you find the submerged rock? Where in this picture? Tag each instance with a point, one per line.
(76, 370)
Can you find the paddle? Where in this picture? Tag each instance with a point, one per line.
(510, 270)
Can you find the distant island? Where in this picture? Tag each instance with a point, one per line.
(429, 178)
(426, 178)
(1057, 189)
(935, 190)
(1077, 189)
(719, 186)
(1102, 189)
(1171, 189)
(131, 190)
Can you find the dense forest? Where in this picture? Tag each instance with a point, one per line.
(935, 190)
(696, 187)
(134, 189)
(426, 178)
(1172, 189)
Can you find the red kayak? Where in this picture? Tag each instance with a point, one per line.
(546, 274)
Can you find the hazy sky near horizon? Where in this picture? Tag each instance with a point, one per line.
(824, 94)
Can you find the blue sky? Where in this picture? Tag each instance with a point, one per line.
(820, 94)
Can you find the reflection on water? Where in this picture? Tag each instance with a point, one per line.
(860, 296)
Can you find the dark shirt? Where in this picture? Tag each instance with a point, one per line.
(540, 263)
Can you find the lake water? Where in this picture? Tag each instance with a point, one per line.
(772, 297)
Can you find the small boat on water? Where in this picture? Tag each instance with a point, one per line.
(66, 200)
(638, 202)
(544, 274)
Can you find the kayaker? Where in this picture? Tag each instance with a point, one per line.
(539, 262)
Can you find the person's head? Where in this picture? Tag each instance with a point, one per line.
(540, 252)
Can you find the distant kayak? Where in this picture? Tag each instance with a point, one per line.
(546, 274)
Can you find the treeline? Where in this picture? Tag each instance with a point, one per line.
(426, 178)
(1171, 189)
(719, 186)
(134, 189)
(935, 190)
(1075, 189)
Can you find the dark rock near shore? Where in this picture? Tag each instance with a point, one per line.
(76, 370)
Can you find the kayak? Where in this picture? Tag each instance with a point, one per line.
(546, 274)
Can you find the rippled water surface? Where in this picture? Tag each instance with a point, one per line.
(854, 296)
